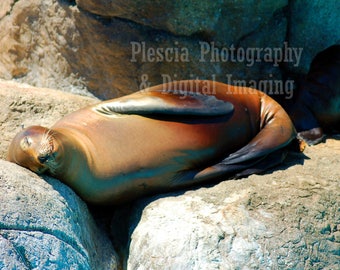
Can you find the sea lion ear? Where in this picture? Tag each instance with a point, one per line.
(168, 103)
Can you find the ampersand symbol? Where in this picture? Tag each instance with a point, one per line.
(144, 84)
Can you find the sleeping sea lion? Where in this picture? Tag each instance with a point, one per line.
(159, 139)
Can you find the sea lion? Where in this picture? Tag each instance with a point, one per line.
(316, 109)
(159, 139)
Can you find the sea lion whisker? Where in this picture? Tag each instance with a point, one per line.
(46, 144)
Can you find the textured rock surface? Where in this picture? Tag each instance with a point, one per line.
(178, 17)
(85, 46)
(286, 219)
(44, 225)
(59, 45)
(224, 21)
(315, 27)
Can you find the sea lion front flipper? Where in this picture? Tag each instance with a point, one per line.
(169, 102)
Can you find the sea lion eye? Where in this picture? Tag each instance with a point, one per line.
(25, 143)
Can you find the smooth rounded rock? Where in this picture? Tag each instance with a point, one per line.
(44, 225)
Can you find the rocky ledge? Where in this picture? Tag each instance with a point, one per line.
(287, 218)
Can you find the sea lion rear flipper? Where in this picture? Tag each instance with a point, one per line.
(169, 102)
(242, 169)
(276, 132)
(312, 136)
(223, 171)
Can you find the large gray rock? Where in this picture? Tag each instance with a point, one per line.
(178, 17)
(44, 225)
(223, 20)
(286, 219)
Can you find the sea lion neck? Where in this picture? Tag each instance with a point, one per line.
(70, 148)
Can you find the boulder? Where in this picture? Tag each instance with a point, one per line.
(109, 48)
(5, 7)
(179, 17)
(44, 225)
(286, 219)
(223, 21)
(132, 45)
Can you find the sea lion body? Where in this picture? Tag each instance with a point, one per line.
(109, 154)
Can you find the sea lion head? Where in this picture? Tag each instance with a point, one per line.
(35, 148)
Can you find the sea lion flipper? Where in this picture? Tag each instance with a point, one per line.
(276, 133)
(242, 169)
(169, 102)
(312, 136)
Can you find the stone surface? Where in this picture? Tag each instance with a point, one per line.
(5, 7)
(59, 45)
(178, 17)
(86, 46)
(315, 26)
(241, 19)
(286, 219)
(33, 45)
(44, 225)
(224, 21)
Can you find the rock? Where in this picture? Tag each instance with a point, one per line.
(5, 7)
(89, 47)
(314, 26)
(220, 20)
(44, 225)
(287, 218)
(33, 45)
(241, 19)
(105, 55)
(179, 17)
